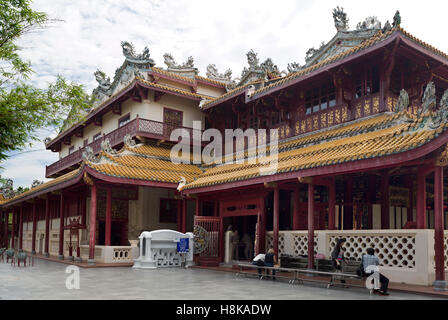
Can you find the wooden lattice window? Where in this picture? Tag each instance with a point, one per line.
(367, 83)
(320, 98)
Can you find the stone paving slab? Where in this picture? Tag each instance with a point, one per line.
(46, 280)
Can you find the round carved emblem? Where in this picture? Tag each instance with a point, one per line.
(200, 239)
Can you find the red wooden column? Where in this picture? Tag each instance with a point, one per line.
(108, 216)
(385, 203)
(2, 232)
(331, 205)
(371, 198)
(61, 227)
(83, 208)
(47, 226)
(410, 185)
(310, 226)
(216, 208)
(421, 200)
(179, 215)
(261, 242)
(21, 228)
(6, 214)
(13, 227)
(276, 219)
(184, 215)
(198, 207)
(348, 204)
(296, 210)
(439, 229)
(92, 226)
(33, 246)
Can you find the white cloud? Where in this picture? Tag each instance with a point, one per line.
(219, 32)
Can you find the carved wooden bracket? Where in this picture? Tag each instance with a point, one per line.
(442, 158)
(305, 180)
(87, 179)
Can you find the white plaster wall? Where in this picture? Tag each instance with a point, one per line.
(210, 91)
(147, 109)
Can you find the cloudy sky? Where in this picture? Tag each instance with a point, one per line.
(219, 32)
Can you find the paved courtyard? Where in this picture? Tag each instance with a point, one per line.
(47, 280)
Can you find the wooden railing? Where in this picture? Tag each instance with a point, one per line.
(137, 127)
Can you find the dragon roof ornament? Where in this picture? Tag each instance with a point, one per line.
(186, 69)
(258, 71)
(107, 147)
(133, 66)
(89, 155)
(340, 19)
(370, 23)
(212, 73)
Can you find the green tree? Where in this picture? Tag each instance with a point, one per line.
(24, 109)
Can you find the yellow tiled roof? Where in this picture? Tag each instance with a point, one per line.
(172, 75)
(144, 162)
(172, 89)
(358, 141)
(46, 185)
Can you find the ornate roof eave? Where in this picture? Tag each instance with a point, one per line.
(66, 180)
(341, 35)
(124, 91)
(409, 156)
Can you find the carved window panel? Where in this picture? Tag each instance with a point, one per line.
(173, 117)
(358, 110)
(367, 110)
(323, 120)
(315, 122)
(376, 104)
(344, 115)
(337, 116)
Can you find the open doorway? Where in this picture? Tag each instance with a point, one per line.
(245, 226)
(118, 232)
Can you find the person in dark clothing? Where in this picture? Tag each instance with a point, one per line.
(270, 260)
(371, 260)
(337, 256)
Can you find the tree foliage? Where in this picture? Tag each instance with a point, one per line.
(24, 108)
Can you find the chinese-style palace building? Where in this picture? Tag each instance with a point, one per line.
(362, 152)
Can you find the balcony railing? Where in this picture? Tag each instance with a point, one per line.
(138, 127)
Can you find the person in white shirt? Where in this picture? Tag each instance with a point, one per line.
(259, 261)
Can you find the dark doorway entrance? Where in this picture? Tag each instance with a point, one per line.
(117, 234)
